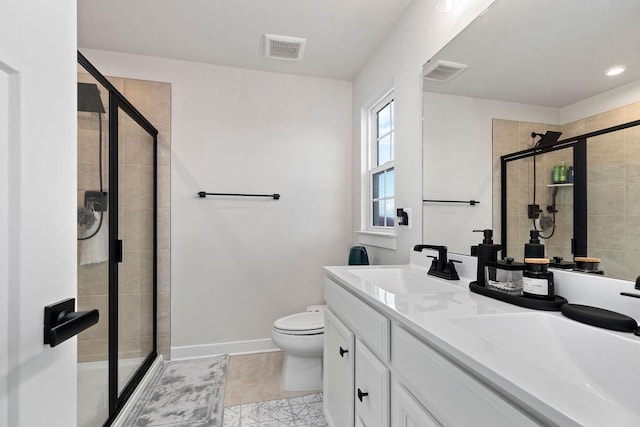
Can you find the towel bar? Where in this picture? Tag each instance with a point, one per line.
(470, 202)
(203, 194)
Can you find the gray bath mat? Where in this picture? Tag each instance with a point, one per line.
(302, 411)
(183, 393)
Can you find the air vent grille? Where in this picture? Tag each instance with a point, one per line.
(443, 71)
(283, 47)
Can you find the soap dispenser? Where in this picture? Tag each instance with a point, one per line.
(534, 249)
(487, 251)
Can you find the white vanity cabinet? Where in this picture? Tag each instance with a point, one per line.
(449, 395)
(389, 376)
(356, 386)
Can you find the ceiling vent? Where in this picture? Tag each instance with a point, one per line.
(283, 47)
(443, 71)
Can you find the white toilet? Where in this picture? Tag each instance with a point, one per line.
(301, 337)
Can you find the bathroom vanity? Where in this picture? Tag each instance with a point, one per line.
(406, 349)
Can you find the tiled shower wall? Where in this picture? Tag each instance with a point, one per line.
(153, 100)
(511, 136)
(613, 212)
(613, 176)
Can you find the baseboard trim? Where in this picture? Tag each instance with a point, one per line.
(124, 413)
(232, 348)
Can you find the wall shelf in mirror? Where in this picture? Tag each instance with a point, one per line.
(568, 184)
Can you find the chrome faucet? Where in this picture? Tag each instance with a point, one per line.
(440, 267)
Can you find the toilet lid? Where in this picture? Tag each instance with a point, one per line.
(307, 321)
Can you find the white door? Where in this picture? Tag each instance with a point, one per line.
(37, 208)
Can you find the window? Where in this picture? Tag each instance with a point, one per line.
(381, 167)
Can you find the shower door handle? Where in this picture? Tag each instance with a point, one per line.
(62, 322)
(118, 251)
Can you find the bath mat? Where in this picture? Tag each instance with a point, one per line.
(302, 411)
(183, 393)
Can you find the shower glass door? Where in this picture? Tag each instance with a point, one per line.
(93, 248)
(136, 231)
(529, 182)
(116, 246)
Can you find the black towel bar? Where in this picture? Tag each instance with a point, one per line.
(469, 202)
(203, 194)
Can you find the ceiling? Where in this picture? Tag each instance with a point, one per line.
(545, 52)
(341, 34)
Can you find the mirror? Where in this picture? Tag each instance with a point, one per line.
(533, 67)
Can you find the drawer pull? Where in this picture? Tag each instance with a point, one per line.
(361, 394)
(343, 351)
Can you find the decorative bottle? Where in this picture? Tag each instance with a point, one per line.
(562, 178)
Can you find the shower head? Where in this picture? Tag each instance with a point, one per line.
(548, 138)
(89, 98)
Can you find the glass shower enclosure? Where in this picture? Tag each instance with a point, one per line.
(117, 245)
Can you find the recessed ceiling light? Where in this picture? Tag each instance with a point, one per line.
(446, 5)
(615, 70)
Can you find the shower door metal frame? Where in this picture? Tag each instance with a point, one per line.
(579, 146)
(117, 102)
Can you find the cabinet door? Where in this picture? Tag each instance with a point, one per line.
(407, 412)
(454, 397)
(371, 388)
(338, 372)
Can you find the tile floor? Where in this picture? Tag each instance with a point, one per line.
(255, 378)
(253, 396)
(301, 411)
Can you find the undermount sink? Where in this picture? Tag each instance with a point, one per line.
(402, 281)
(585, 359)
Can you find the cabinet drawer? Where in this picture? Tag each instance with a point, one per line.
(368, 325)
(371, 389)
(452, 396)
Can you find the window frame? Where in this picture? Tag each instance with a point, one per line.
(373, 168)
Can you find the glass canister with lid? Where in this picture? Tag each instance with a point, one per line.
(505, 276)
(537, 281)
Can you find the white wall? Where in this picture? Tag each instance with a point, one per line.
(37, 208)
(239, 264)
(457, 165)
(419, 34)
(623, 95)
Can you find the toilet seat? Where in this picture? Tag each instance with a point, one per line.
(307, 323)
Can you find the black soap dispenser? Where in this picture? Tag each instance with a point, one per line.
(534, 249)
(487, 251)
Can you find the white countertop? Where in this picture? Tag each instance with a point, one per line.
(563, 389)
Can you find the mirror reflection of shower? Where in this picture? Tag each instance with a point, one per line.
(541, 222)
(91, 214)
